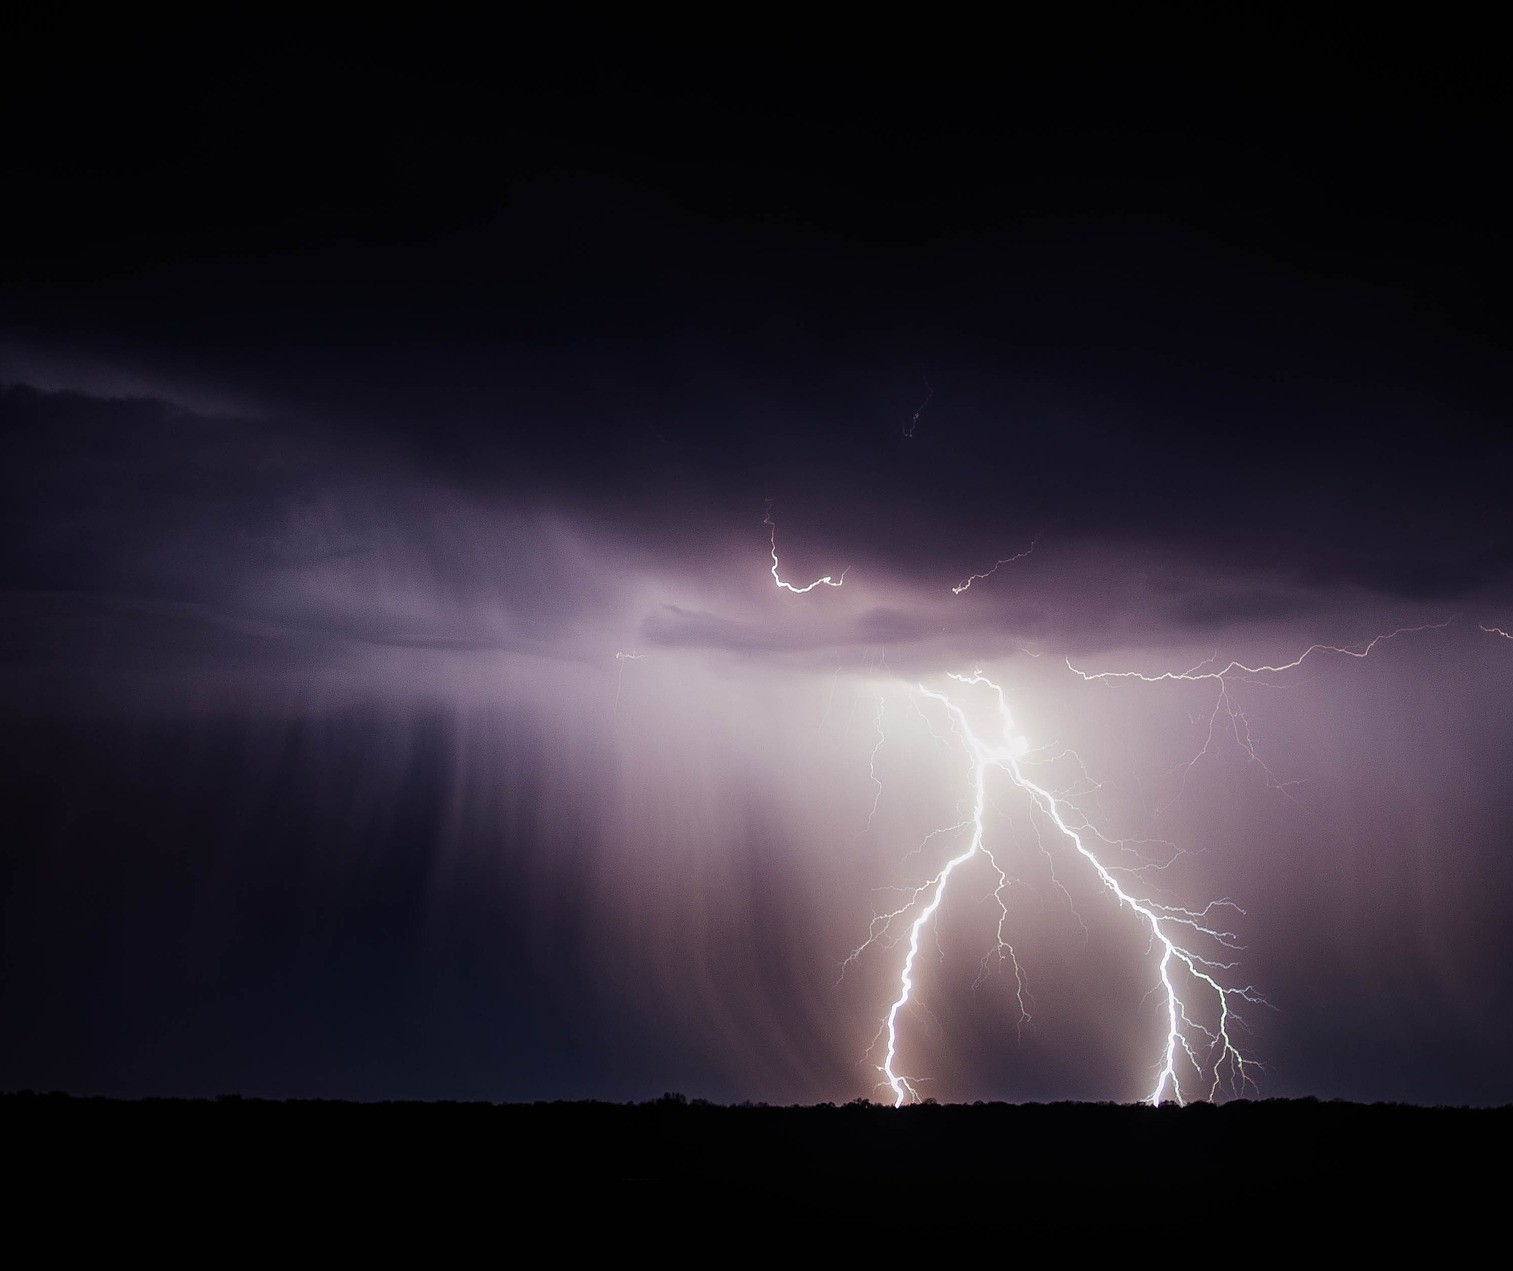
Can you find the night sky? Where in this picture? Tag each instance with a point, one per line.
(367, 391)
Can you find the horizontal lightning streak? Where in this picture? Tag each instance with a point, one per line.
(1226, 705)
(1241, 668)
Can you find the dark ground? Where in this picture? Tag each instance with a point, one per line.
(1372, 1172)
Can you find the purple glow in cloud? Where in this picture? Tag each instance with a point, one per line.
(712, 827)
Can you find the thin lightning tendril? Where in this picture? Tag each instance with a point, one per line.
(1496, 631)
(622, 658)
(882, 738)
(913, 424)
(1007, 560)
(826, 581)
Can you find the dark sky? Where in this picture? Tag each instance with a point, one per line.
(367, 390)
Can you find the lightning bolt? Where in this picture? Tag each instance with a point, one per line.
(1183, 974)
(1188, 971)
(1007, 560)
(1496, 631)
(826, 581)
(1190, 950)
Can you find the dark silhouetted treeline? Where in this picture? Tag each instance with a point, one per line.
(1265, 1147)
(441, 1183)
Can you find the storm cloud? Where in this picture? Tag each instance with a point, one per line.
(398, 701)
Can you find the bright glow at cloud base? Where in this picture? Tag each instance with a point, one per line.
(1209, 1050)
